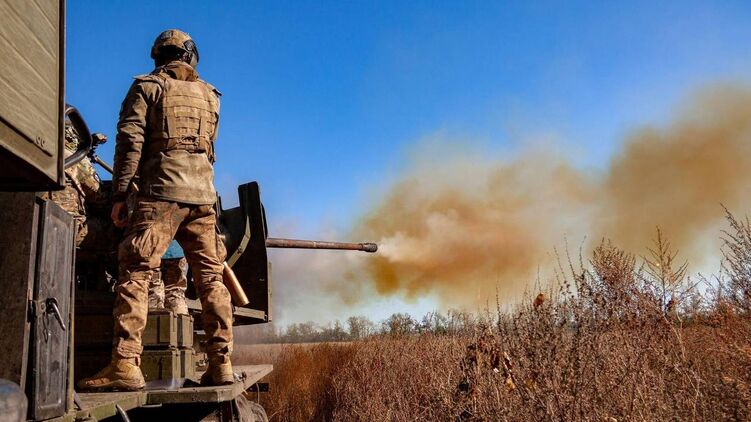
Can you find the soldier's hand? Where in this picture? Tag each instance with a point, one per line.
(119, 214)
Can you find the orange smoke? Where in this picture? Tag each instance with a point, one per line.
(467, 227)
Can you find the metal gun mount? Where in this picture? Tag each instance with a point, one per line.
(247, 241)
(245, 232)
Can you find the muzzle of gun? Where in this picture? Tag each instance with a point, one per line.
(239, 298)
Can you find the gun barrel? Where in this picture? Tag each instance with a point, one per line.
(103, 164)
(273, 242)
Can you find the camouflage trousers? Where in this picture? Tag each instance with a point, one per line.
(151, 227)
(168, 286)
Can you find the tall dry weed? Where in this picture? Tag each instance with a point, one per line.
(301, 385)
(620, 337)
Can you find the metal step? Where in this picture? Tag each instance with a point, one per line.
(103, 405)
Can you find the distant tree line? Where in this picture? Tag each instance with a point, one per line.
(361, 327)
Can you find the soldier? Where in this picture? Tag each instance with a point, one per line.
(82, 189)
(166, 132)
(167, 288)
(95, 236)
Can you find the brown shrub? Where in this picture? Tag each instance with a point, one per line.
(301, 383)
(401, 379)
(614, 341)
(529, 366)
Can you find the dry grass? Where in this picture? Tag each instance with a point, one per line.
(302, 380)
(526, 367)
(617, 339)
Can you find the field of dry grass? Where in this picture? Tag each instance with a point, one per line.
(615, 339)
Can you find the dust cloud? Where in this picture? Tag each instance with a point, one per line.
(466, 227)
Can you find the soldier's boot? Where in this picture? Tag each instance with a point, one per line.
(219, 372)
(121, 374)
(175, 302)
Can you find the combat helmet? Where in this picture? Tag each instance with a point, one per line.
(176, 38)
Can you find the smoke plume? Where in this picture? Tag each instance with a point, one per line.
(466, 227)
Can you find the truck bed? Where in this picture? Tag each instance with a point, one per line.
(103, 405)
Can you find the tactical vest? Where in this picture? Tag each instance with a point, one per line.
(178, 153)
(185, 116)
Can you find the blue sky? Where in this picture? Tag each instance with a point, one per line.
(324, 100)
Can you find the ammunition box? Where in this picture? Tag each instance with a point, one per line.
(185, 331)
(165, 329)
(168, 364)
(188, 363)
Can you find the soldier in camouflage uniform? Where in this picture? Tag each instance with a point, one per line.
(168, 124)
(82, 190)
(167, 288)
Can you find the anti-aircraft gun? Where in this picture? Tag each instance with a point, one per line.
(247, 242)
(57, 319)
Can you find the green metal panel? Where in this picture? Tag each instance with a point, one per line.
(48, 362)
(166, 329)
(160, 364)
(18, 241)
(32, 41)
(102, 405)
(249, 375)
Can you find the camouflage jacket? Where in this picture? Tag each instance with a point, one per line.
(180, 170)
(82, 184)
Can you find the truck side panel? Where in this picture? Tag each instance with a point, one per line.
(32, 88)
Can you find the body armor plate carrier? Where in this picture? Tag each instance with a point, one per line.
(185, 116)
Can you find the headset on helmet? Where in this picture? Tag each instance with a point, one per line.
(178, 39)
